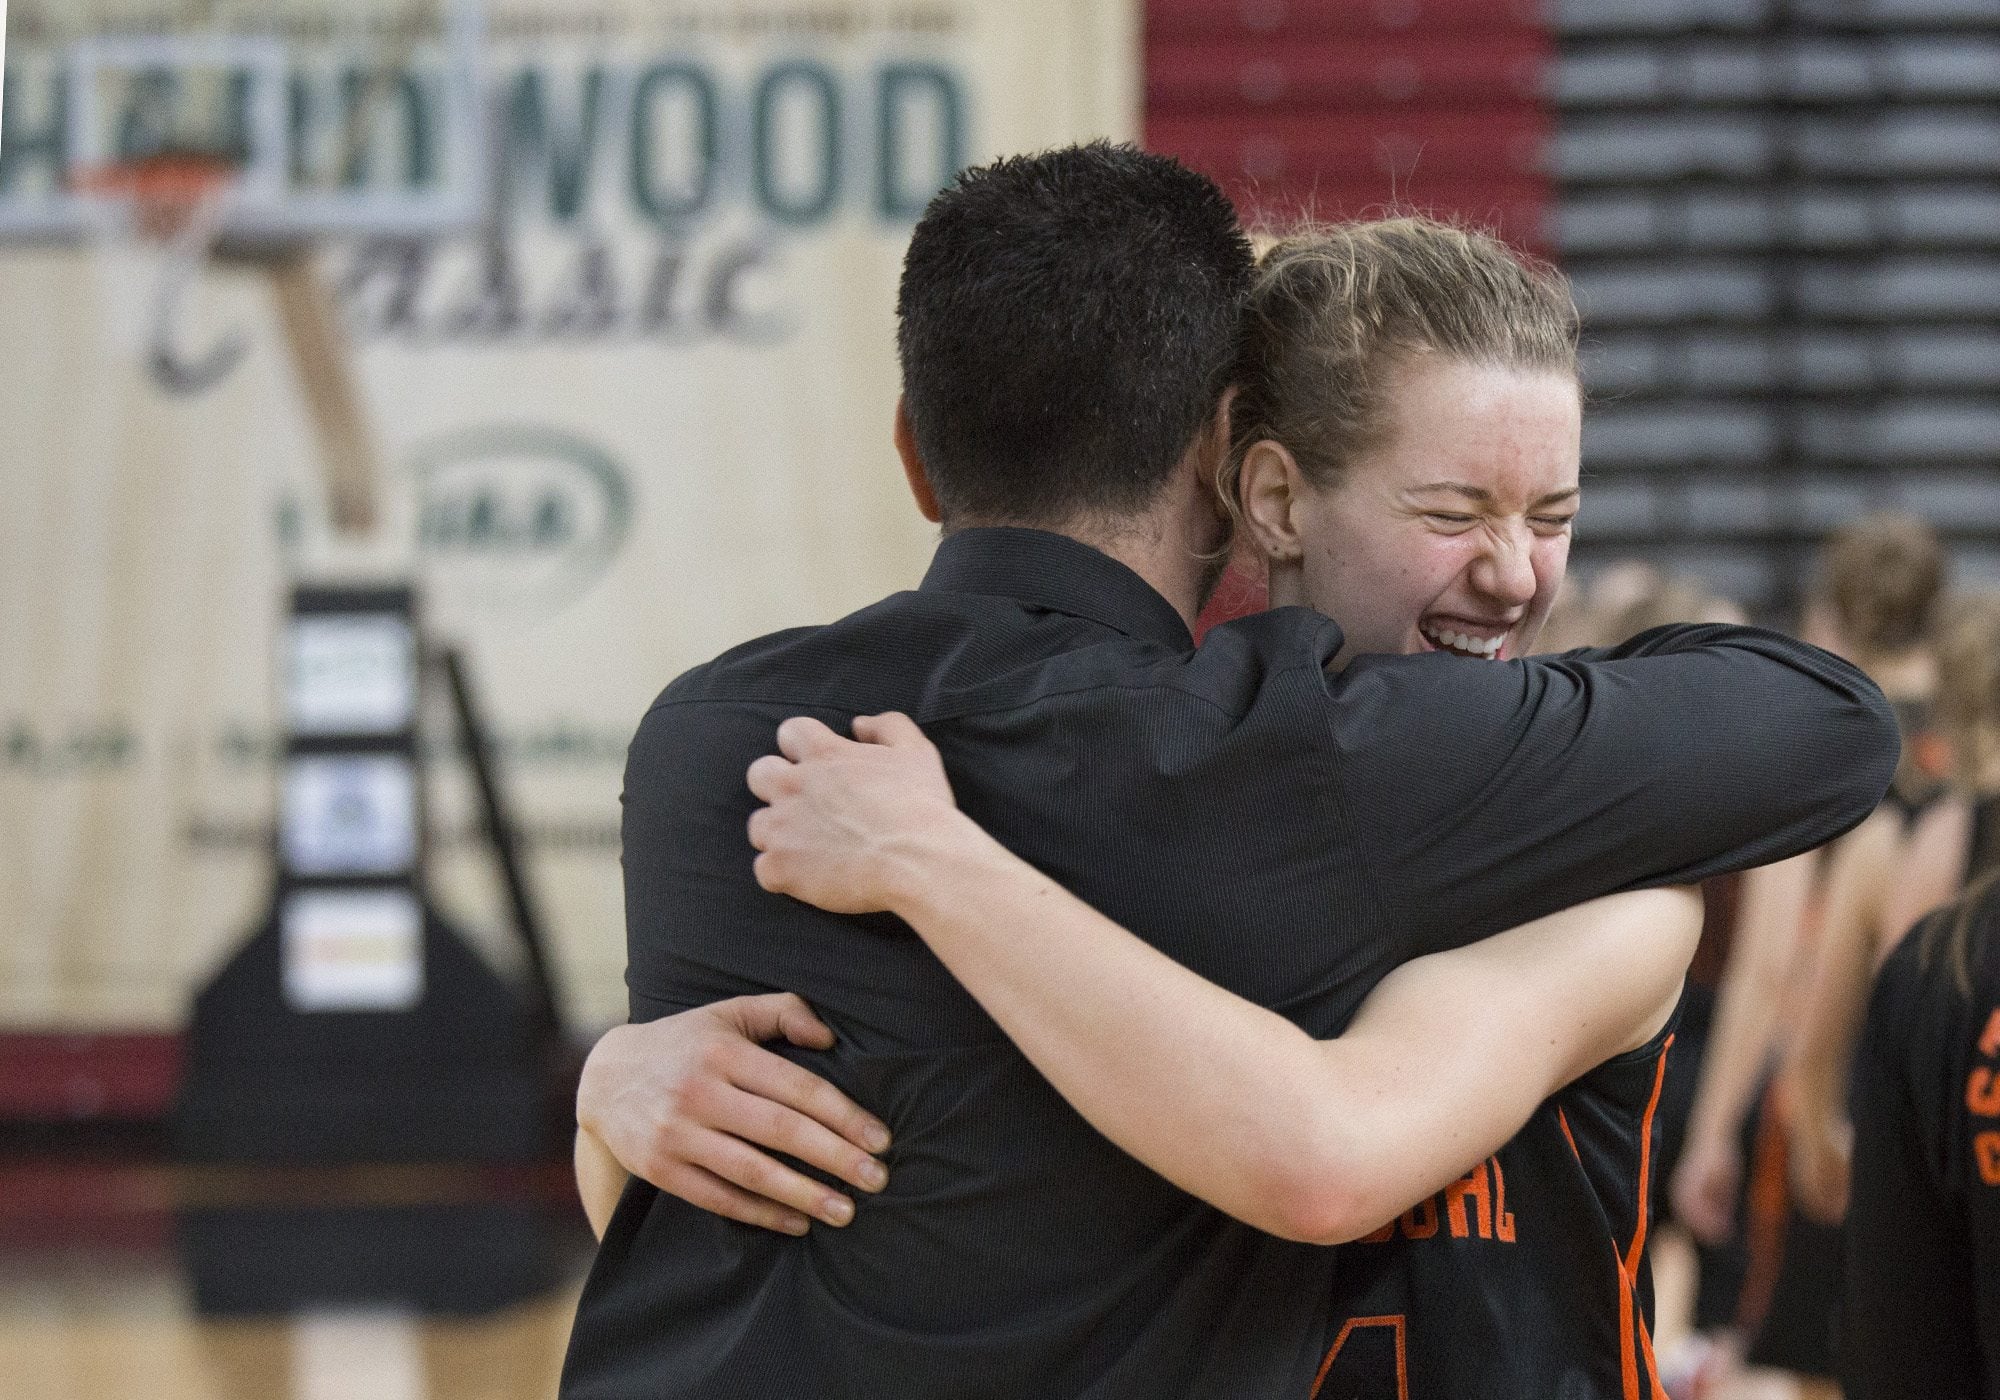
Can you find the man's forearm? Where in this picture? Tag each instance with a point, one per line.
(1547, 783)
(1815, 693)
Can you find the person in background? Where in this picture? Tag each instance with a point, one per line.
(1921, 1319)
(1880, 580)
(1895, 867)
(1618, 588)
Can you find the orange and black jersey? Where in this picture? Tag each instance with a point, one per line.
(1921, 1319)
(1528, 1277)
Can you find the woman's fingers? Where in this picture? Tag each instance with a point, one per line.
(893, 728)
(802, 736)
(772, 777)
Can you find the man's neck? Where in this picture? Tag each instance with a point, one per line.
(1176, 574)
(1168, 563)
(1171, 545)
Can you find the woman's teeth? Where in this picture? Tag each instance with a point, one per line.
(1464, 645)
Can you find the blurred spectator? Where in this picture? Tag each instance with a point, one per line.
(1875, 601)
(1620, 585)
(1569, 623)
(1676, 599)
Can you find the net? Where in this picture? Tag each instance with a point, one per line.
(150, 223)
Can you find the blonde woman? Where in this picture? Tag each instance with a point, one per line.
(1879, 584)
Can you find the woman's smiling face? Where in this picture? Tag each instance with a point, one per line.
(1453, 533)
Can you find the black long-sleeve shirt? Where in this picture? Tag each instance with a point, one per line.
(1286, 832)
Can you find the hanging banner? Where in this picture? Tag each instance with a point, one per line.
(620, 300)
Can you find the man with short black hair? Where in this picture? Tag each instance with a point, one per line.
(1066, 324)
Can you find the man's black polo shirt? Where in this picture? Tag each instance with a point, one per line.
(1289, 834)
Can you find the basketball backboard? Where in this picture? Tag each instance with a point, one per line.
(340, 116)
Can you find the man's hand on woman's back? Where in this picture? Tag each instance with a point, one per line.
(694, 1104)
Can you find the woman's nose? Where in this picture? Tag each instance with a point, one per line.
(1505, 570)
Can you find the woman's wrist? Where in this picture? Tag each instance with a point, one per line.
(936, 864)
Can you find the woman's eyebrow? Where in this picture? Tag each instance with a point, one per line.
(1477, 493)
(1483, 496)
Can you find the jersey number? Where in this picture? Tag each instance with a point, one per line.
(1366, 1362)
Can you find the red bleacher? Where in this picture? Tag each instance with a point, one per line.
(1343, 110)
(1304, 19)
(1186, 77)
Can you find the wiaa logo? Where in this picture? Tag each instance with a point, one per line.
(516, 518)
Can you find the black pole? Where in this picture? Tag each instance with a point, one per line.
(503, 833)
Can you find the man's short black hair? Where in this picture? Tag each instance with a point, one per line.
(1067, 325)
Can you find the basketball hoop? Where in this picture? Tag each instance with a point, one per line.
(152, 221)
(162, 195)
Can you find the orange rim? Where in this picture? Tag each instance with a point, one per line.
(164, 190)
(165, 176)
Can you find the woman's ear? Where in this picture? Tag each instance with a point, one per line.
(1268, 490)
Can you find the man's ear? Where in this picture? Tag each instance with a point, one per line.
(913, 465)
(1217, 438)
(1268, 490)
